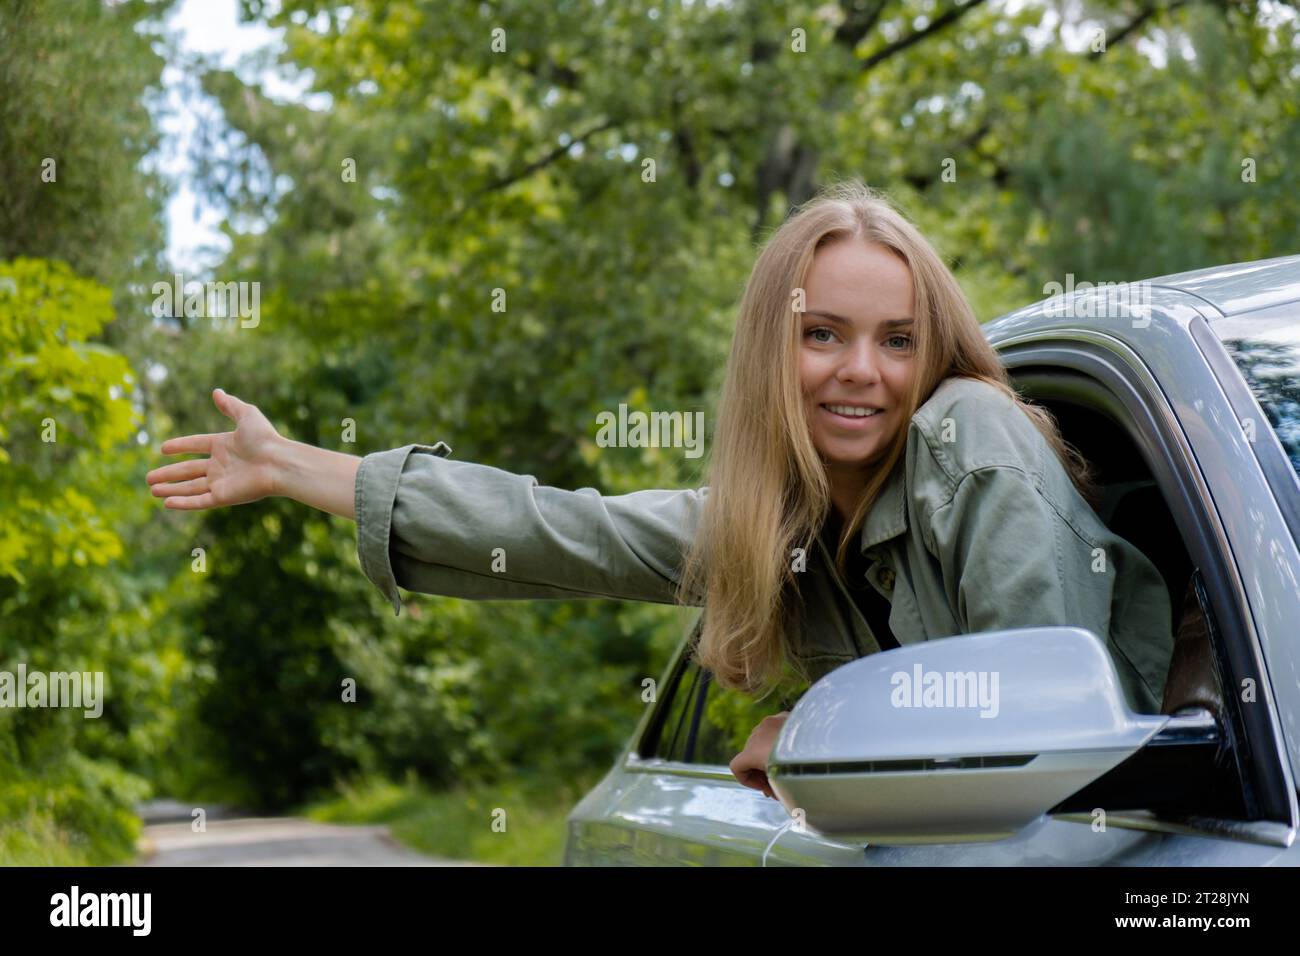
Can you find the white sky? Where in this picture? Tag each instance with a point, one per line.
(207, 27)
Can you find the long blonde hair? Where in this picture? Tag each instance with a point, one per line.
(768, 488)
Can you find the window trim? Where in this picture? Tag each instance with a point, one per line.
(1114, 370)
(651, 737)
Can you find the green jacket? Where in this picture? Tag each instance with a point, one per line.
(978, 529)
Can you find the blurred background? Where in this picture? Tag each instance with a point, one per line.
(379, 168)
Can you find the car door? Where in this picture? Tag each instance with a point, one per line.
(671, 799)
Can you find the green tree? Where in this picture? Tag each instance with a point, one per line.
(81, 586)
(71, 598)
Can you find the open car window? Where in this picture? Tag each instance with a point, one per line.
(1199, 774)
(704, 723)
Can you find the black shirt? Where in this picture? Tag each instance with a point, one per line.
(873, 606)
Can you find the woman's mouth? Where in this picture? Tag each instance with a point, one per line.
(851, 416)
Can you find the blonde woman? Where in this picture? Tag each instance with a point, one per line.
(874, 481)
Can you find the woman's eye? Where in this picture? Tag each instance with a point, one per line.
(820, 328)
(905, 339)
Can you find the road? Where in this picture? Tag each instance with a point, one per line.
(275, 841)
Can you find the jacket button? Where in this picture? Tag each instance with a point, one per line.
(887, 579)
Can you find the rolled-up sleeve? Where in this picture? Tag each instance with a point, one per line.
(462, 529)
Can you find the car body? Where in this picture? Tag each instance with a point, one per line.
(1186, 390)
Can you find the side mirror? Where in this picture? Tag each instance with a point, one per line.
(967, 738)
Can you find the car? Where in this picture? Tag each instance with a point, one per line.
(1183, 391)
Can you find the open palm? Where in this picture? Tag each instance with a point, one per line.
(239, 467)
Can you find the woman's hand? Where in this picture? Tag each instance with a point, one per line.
(750, 765)
(240, 468)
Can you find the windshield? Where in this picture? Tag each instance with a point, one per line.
(1268, 355)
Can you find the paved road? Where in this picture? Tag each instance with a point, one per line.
(276, 841)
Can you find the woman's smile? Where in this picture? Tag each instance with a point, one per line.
(852, 417)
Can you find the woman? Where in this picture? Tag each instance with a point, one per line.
(863, 413)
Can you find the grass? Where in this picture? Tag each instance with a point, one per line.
(35, 839)
(515, 823)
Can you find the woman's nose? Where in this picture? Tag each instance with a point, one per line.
(859, 366)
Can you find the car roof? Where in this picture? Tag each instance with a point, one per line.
(1235, 289)
(1240, 286)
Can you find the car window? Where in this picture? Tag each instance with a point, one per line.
(1267, 353)
(705, 723)
(673, 726)
(1135, 504)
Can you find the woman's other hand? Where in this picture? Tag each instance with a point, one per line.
(750, 765)
(240, 466)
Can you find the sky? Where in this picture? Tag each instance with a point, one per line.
(210, 27)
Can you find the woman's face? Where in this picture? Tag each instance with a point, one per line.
(856, 349)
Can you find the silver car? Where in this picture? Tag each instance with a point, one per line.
(1184, 393)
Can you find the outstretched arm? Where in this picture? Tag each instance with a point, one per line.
(454, 528)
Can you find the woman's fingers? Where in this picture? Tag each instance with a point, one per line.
(228, 405)
(744, 767)
(750, 765)
(195, 487)
(184, 485)
(186, 444)
(756, 780)
(178, 471)
(192, 503)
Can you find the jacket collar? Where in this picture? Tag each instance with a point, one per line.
(888, 516)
